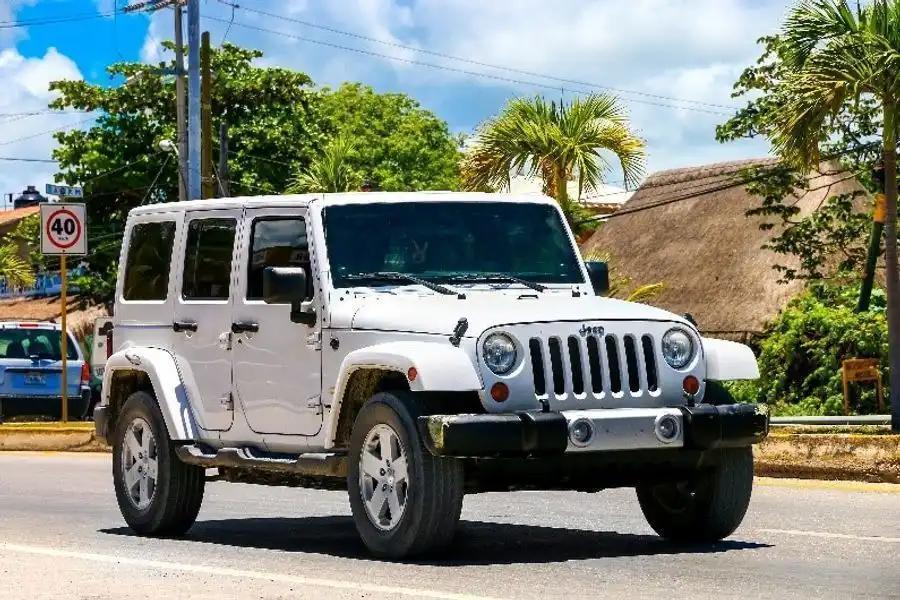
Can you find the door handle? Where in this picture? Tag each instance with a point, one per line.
(184, 325)
(244, 327)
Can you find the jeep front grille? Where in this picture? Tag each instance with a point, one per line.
(607, 365)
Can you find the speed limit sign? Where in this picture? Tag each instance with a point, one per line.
(63, 228)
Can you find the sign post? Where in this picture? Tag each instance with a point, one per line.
(63, 233)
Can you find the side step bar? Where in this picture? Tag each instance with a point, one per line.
(307, 465)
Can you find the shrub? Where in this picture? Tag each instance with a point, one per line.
(800, 356)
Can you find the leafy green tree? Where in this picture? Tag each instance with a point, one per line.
(277, 122)
(837, 54)
(397, 145)
(801, 354)
(329, 172)
(840, 225)
(557, 142)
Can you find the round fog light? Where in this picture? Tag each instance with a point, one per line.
(667, 428)
(581, 432)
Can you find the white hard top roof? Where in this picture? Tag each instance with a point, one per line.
(335, 199)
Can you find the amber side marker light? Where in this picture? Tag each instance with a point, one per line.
(499, 392)
(412, 374)
(690, 385)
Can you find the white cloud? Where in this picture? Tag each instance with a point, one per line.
(8, 10)
(25, 89)
(676, 48)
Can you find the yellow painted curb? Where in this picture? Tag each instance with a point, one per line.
(56, 437)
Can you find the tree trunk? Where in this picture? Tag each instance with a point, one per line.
(562, 192)
(890, 256)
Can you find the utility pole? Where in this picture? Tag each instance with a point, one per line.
(181, 141)
(224, 187)
(209, 190)
(194, 170)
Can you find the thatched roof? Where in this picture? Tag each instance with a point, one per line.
(695, 238)
(10, 218)
(79, 321)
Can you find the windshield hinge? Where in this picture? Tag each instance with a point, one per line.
(460, 330)
(227, 401)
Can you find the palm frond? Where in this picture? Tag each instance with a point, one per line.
(17, 271)
(329, 172)
(539, 138)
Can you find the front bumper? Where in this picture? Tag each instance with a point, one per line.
(546, 433)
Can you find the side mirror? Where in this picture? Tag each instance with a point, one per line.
(598, 273)
(287, 285)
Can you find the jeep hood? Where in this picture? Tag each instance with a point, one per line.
(439, 314)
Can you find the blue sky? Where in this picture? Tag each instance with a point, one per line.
(674, 61)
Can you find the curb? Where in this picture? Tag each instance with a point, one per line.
(51, 437)
(847, 456)
(830, 456)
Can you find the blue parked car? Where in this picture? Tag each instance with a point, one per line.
(31, 372)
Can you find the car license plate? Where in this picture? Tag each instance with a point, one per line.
(35, 379)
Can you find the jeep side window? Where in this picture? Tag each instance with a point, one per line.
(147, 265)
(207, 259)
(278, 242)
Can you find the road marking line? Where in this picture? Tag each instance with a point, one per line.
(239, 573)
(827, 534)
(821, 484)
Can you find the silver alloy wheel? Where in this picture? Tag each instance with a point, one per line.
(140, 466)
(383, 477)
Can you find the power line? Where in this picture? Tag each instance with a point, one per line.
(40, 133)
(473, 62)
(34, 160)
(451, 69)
(55, 19)
(733, 184)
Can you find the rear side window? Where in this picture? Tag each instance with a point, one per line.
(276, 243)
(207, 259)
(40, 343)
(147, 265)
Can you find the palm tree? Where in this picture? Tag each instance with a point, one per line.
(556, 142)
(16, 271)
(837, 54)
(329, 172)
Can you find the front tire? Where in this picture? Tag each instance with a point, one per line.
(705, 508)
(404, 500)
(158, 494)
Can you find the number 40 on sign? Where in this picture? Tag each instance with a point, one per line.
(63, 228)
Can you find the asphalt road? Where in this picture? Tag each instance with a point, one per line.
(61, 536)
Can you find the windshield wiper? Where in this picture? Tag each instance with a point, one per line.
(395, 276)
(486, 277)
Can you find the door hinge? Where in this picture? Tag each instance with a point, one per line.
(227, 401)
(315, 403)
(314, 340)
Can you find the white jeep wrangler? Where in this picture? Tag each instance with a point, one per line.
(409, 348)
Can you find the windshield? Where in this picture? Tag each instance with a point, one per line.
(40, 343)
(446, 241)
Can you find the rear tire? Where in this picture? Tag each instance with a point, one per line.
(708, 507)
(429, 489)
(158, 494)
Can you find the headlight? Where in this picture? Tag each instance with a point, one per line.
(499, 353)
(677, 348)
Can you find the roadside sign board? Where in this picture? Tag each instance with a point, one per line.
(63, 228)
(64, 191)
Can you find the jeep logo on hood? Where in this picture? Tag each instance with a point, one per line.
(587, 330)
